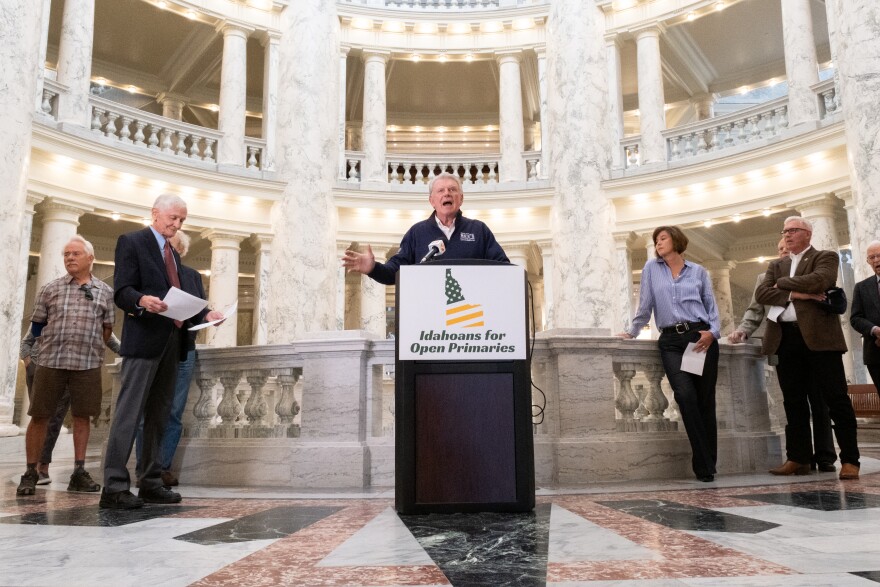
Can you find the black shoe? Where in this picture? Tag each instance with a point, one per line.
(159, 495)
(82, 481)
(706, 478)
(827, 467)
(28, 483)
(120, 500)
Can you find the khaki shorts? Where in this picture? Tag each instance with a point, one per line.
(49, 385)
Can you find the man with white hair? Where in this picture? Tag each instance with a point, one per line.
(809, 342)
(146, 269)
(73, 320)
(865, 313)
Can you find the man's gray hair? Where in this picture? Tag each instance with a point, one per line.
(873, 243)
(183, 242)
(807, 224)
(90, 250)
(166, 201)
(444, 175)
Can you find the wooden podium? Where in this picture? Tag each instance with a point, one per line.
(463, 409)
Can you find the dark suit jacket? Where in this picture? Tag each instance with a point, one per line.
(191, 283)
(864, 315)
(140, 271)
(816, 272)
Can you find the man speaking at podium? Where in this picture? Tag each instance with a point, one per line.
(446, 233)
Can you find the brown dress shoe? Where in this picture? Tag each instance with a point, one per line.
(791, 468)
(168, 479)
(849, 471)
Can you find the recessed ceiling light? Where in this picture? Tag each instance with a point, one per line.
(416, 58)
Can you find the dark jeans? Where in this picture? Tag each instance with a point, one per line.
(801, 372)
(56, 421)
(695, 396)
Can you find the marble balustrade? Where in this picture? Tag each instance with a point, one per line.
(255, 152)
(420, 169)
(324, 409)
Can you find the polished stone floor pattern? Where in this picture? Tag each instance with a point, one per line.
(745, 530)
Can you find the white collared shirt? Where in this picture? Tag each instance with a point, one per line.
(789, 314)
(447, 230)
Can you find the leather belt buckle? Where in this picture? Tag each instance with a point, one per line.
(682, 327)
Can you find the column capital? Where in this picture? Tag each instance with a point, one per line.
(162, 97)
(267, 38)
(541, 51)
(847, 197)
(224, 238)
(61, 210)
(33, 199)
(613, 39)
(509, 56)
(372, 55)
(813, 206)
(718, 265)
(230, 28)
(624, 239)
(653, 29)
(546, 247)
(262, 242)
(344, 50)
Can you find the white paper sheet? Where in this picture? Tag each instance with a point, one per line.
(692, 361)
(182, 305)
(229, 311)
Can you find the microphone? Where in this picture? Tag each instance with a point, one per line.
(436, 248)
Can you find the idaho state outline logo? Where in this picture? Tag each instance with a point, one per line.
(459, 313)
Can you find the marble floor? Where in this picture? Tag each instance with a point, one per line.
(751, 530)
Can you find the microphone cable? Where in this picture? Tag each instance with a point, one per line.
(537, 408)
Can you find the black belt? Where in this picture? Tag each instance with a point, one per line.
(790, 324)
(684, 327)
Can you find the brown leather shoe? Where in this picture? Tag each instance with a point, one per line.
(168, 479)
(849, 471)
(791, 468)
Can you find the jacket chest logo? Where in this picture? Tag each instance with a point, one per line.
(468, 236)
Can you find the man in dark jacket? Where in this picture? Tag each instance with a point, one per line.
(462, 238)
(865, 314)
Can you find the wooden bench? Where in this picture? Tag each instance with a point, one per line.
(865, 400)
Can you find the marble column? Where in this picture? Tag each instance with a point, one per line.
(511, 167)
(12, 373)
(801, 66)
(820, 212)
(374, 168)
(372, 298)
(19, 37)
(340, 286)
(548, 273)
(41, 62)
(304, 261)
(719, 275)
(341, 161)
(858, 271)
(541, 53)
(652, 116)
(59, 221)
(172, 105)
(223, 286)
(271, 42)
(858, 53)
(831, 23)
(518, 254)
(856, 246)
(75, 61)
(263, 246)
(233, 94)
(615, 99)
(621, 304)
(582, 218)
(649, 254)
(704, 106)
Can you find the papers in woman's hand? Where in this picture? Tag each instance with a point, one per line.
(692, 361)
(229, 311)
(182, 305)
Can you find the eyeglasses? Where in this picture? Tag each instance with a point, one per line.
(873, 257)
(793, 230)
(87, 290)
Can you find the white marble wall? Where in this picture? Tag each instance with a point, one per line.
(582, 218)
(341, 163)
(75, 60)
(820, 212)
(548, 271)
(271, 44)
(622, 306)
(263, 245)
(541, 52)
(41, 61)
(373, 167)
(59, 221)
(223, 288)
(719, 275)
(801, 65)
(511, 167)
(858, 55)
(652, 116)
(304, 262)
(233, 95)
(615, 98)
(26, 230)
(19, 38)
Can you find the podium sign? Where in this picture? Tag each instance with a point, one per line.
(462, 313)
(463, 415)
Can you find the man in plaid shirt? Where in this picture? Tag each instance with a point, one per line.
(73, 318)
